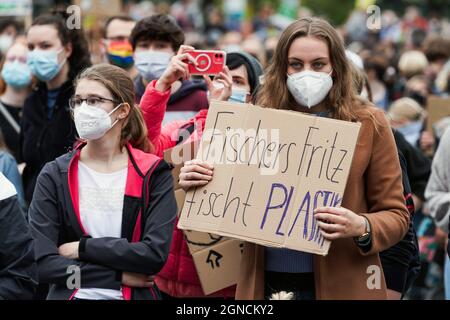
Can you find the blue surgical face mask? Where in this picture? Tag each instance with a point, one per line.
(44, 63)
(411, 131)
(238, 95)
(16, 74)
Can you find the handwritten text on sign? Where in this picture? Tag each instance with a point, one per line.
(272, 168)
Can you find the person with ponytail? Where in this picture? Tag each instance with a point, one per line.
(107, 208)
(56, 56)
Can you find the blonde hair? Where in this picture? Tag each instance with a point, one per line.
(342, 98)
(408, 109)
(412, 63)
(118, 82)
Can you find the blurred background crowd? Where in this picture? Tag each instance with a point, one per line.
(401, 47)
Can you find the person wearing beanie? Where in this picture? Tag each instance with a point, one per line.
(245, 71)
(238, 82)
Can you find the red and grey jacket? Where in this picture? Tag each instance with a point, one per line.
(179, 276)
(146, 233)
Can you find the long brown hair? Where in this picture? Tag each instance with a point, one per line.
(80, 57)
(341, 100)
(118, 82)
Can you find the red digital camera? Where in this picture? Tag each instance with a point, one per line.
(210, 62)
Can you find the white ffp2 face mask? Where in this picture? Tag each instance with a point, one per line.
(92, 123)
(309, 88)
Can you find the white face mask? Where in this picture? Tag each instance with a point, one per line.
(6, 42)
(218, 85)
(309, 88)
(364, 94)
(151, 64)
(411, 131)
(92, 123)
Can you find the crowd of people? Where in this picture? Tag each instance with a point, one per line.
(83, 130)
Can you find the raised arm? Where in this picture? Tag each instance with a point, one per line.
(156, 96)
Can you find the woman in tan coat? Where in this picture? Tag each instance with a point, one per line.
(310, 73)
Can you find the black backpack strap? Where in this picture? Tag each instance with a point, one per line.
(145, 196)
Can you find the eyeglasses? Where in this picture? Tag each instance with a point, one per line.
(94, 101)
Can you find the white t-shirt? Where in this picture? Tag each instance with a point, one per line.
(101, 203)
(7, 189)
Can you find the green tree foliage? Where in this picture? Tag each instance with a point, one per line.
(336, 12)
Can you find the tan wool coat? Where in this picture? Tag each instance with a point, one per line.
(374, 189)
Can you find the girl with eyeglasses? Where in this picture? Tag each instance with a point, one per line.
(106, 209)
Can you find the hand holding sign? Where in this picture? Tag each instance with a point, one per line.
(195, 173)
(337, 223)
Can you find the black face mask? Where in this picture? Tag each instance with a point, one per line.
(419, 98)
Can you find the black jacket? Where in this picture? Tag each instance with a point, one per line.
(401, 262)
(18, 272)
(186, 89)
(146, 236)
(43, 140)
(419, 165)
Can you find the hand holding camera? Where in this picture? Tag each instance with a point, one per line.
(189, 61)
(177, 69)
(220, 87)
(207, 62)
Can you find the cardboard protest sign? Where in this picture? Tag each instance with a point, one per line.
(216, 258)
(196, 240)
(180, 195)
(272, 168)
(438, 108)
(218, 266)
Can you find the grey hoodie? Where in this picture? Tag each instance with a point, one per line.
(437, 192)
